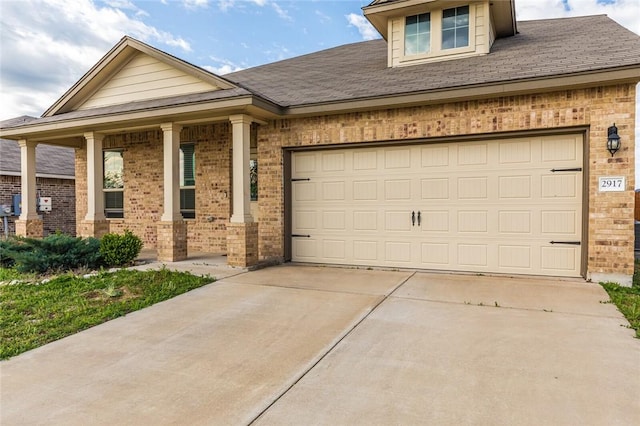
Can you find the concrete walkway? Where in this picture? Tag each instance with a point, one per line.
(318, 345)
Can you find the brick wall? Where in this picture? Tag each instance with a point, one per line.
(610, 218)
(143, 192)
(62, 193)
(610, 215)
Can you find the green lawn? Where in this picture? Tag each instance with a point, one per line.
(33, 313)
(627, 299)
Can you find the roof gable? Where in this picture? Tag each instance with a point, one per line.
(134, 71)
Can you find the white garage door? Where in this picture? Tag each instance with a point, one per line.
(506, 206)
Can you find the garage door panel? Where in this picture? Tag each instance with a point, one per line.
(515, 152)
(333, 162)
(560, 186)
(515, 256)
(559, 222)
(398, 252)
(397, 189)
(334, 249)
(489, 206)
(472, 255)
(397, 158)
(436, 156)
(365, 190)
(435, 189)
(472, 187)
(472, 221)
(435, 254)
(304, 191)
(399, 220)
(365, 160)
(514, 187)
(472, 155)
(333, 191)
(364, 250)
(560, 149)
(559, 259)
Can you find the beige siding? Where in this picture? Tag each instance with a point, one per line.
(144, 78)
(482, 24)
(395, 40)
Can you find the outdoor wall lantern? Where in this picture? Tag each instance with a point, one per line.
(613, 140)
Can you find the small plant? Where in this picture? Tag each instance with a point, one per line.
(53, 253)
(112, 291)
(119, 250)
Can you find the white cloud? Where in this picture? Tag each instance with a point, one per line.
(625, 12)
(49, 45)
(366, 30)
(224, 66)
(283, 14)
(195, 4)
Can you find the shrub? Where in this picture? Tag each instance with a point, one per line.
(119, 250)
(52, 253)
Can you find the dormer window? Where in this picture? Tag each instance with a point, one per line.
(423, 31)
(455, 27)
(417, 34)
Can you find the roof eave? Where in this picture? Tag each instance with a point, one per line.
(479, 91)
(187, 113)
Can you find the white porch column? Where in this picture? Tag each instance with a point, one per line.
(241, 130)
(28, 180)
(95, 176)
(171, 152)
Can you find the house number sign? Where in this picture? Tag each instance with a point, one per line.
(612, 183)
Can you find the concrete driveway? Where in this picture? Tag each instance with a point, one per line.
(318, 345)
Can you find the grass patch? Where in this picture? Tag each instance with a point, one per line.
(627, 299)
(35, 313)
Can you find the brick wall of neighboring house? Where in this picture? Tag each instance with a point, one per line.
(143, 177)
(610, 241)
(62, 192)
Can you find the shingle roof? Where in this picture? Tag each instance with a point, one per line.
(542, 49)
(50, 160)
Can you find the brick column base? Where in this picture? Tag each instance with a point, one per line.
(172, 241)
(93, 228)
(242, 244)
(32, 228)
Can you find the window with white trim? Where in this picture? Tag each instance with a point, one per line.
(455, 27)
(417, 34)
(113, 184)
(188, 180)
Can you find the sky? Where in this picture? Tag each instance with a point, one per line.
(48, 45)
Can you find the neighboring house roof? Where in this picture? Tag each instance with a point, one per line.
(544, 55)
(51, 161)
(542, 49)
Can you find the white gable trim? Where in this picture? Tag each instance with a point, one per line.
(113, 62)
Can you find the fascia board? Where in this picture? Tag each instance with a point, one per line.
(142, 118)
(539, 85)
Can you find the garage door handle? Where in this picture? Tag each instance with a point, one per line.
(413, 218)
(573, 243)
(574, 169)
(300, 236)
(419, 219)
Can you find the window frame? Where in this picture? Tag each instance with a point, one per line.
(417, 34)
(456, 27)
(109, 212)
(436, 51)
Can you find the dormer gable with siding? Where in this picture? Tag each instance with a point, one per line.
(421, 31)
(133, 71)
